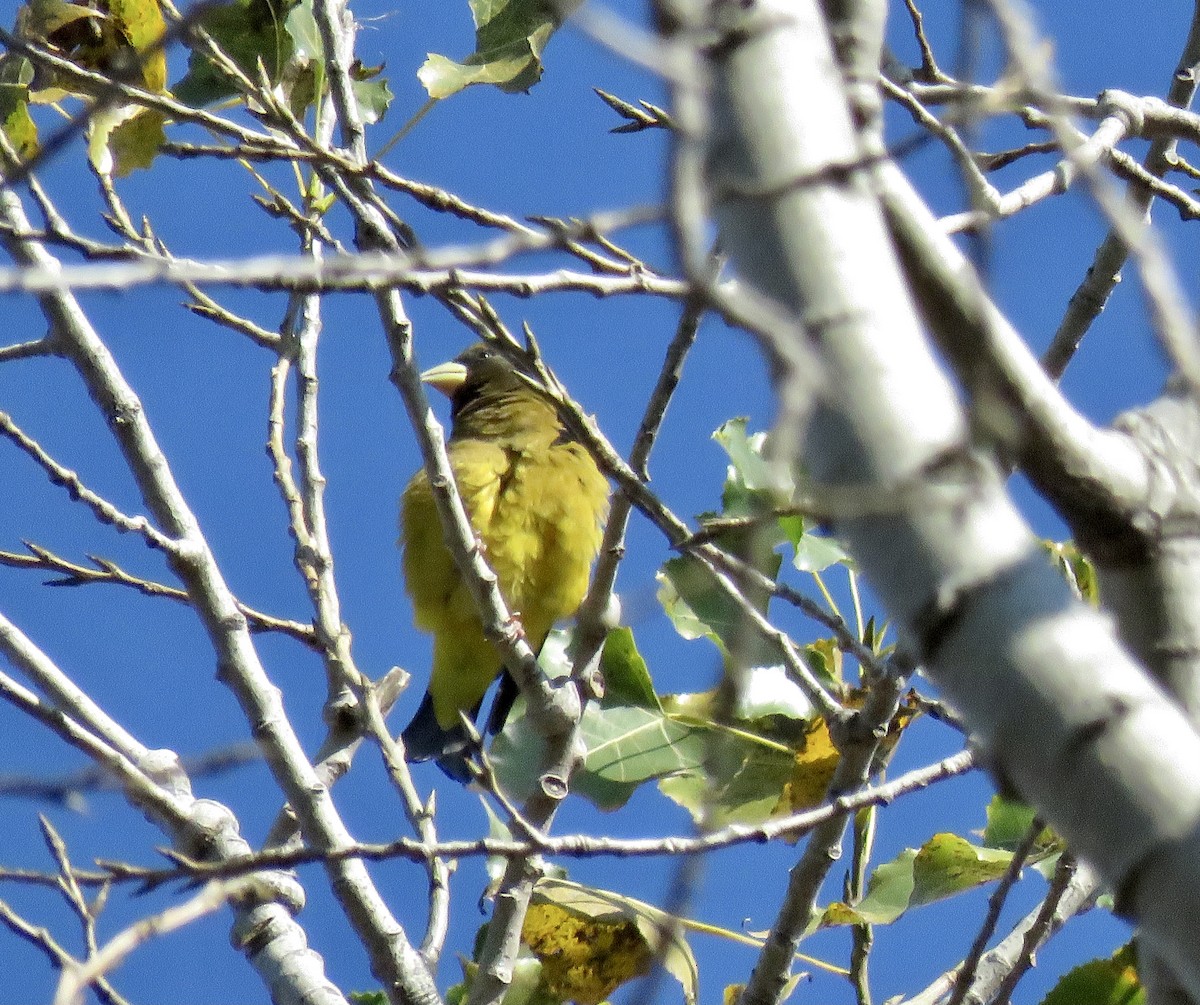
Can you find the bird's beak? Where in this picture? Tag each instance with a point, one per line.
(446, 377)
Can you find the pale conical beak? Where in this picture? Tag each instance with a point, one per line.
(446, 377)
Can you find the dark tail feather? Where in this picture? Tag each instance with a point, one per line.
(506, 694)
(424, 740)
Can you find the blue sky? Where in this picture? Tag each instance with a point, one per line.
(204, 389)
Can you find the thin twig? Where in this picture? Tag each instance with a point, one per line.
(791, 828)
(108, 571)
(63, 476)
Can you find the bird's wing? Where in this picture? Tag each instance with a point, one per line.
(464, 663)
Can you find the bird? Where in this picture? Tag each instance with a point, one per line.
(537, 502)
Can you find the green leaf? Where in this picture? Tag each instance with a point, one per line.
(942, 867)
(247, 31)
(824, 658)
(631, 744)
(16, 74)
(699, 608)
(626, 676)
(816, 553)
(124, 138)
(1076, 568)
(626, 746)
(135, 142)
(948, 864)
(626, 742)
(1008, 821)
(889, 891)
(373, 98)
(1102, 982)
(741, 780)
(749, 469)
(510, 36)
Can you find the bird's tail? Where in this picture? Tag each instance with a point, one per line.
(424, 739)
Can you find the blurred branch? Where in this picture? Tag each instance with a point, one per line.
(69, 790)
(77, 977)
(364, 272)
(27, 350)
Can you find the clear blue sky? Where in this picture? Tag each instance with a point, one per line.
(204, 390)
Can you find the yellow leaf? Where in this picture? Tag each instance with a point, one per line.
(814, 766)
(584, 959)
(617, 938)
(818, 758)
(140, 22)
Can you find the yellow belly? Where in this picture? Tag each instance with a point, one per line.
(538, 514)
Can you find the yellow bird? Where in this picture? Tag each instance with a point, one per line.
(537, 503)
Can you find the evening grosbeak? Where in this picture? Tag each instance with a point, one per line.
(537, 503)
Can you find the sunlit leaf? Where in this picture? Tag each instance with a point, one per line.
(749, 469)
(16, 74)
(1102, 982)
(510, 36)
(948, 864)
(942, 867)
(373, 97)
(630, 744)
(816, 553)
(1076, 568)
(626, 676)
(767, 691)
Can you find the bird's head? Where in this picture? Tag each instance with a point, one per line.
(478, 378)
